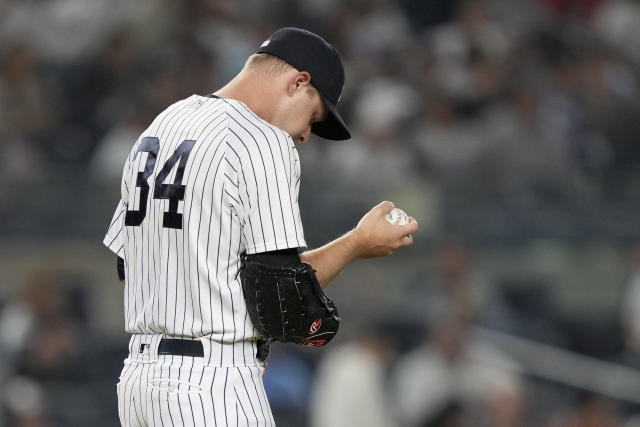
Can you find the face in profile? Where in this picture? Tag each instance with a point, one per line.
(302, 108)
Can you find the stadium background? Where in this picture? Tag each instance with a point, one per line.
(508, 128)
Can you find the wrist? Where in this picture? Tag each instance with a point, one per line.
(353, 242)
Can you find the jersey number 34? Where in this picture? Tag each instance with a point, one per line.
(174, 192)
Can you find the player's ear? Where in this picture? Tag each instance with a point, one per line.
(299, 80)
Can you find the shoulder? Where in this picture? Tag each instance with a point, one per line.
(179, 105)
(246, 126)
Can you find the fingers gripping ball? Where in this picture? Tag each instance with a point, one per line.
(397, 217)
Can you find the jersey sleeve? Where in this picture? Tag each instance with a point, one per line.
(114, 237)
(269, 179)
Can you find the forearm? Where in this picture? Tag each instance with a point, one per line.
(373, 237)
(330, 259)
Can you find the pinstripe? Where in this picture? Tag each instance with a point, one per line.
(161, 364)
(179, 385)
(163, 124)
(142, 275)
(291, 187)
(275, 174)
(135, 410)
(217, 264)
(244, 343)
(255, 177)
(128, 394)
(153, 412)
(233, 355)
(204, 415)
(187, 279)
(266, 177)
(143, 393)
(128, 274)
(118, 233)
(178, 395)
(193, 418)
(168, 128)
(231, 197)
(244, 385)
(175, 232)
(131, 396)
(213, 400)
(132, 262)
(208, 274)
(239, 404)
(261, 391)
(124, 379)
(129, 417)
(246, 188)
(231, 165)
(199, 224)
(224, 397)
(169, 411)
(263, 411)
(177, 269)
(131, 286)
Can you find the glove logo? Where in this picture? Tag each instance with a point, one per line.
(315, 326)
(314, 343)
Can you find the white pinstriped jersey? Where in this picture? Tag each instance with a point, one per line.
(207, 181)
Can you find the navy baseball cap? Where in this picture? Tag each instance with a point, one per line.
(306, 51)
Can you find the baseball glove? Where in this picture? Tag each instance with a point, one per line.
(287, 304)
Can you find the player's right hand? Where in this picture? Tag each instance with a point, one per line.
(374, 236)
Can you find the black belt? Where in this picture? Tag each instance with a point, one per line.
(193, 348)
(178, 347)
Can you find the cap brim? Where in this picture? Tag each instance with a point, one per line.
(333, 127)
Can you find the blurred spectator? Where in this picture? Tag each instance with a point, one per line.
(380, 30)
(617, 22)
(49, 343)
(288, 381)
(24, 403)
(112, 150)
(630, 311)
(467, 53)
(450, 282)
(572, 8)
(350, 387)
(452, 380)
(373, 163)
(26, 115)
(531, 164)
(451, 148)
(591, 410)
(23, 98)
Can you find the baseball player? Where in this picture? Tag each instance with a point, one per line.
(210, 242)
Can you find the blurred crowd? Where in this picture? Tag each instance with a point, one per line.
(498, 121)
(506, 119)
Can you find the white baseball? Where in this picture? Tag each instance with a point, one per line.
(397, 217)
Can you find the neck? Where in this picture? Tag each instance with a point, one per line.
(253, 90)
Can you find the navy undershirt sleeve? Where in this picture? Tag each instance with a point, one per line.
(281, 258)
(120, 267)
